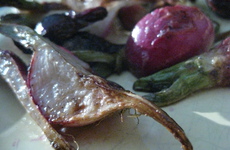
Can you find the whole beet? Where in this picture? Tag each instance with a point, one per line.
(167, 36)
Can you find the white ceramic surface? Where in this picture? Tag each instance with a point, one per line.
(204, 116)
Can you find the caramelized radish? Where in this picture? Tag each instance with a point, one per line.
(68, 94)
(13, 71)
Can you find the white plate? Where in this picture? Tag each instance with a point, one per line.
(204, 116)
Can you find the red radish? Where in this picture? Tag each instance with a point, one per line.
(167, 36)
(68, 94)
(13, 70)
(207, 70)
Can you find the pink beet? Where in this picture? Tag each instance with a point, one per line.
(167, 36)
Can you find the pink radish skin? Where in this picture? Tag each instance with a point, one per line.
(167, 36)
(14, 71)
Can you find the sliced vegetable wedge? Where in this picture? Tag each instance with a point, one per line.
(68, 94)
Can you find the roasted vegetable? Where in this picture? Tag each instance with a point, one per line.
(208, 70)
(28, 19)
(103, 56)
(61, 27)
(220, 7)
(82, 39)
(102, 64)
(85, 4)
(67, 93)
(167, 36)
(130, 15)
(33, 5)
(14, 71)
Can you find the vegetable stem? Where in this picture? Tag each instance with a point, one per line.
(94, 56)
(102, 63)
(172, 84)
(181, 88)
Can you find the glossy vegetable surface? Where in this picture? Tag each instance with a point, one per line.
(61, 27)
(171, 85)
(68, 94)
(14, 71)
(167, 36)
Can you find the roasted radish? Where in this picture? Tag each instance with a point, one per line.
(167, 36)
(68, 94)
(13, 70)
(208, 70)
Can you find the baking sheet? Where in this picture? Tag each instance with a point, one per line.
(204, 116)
